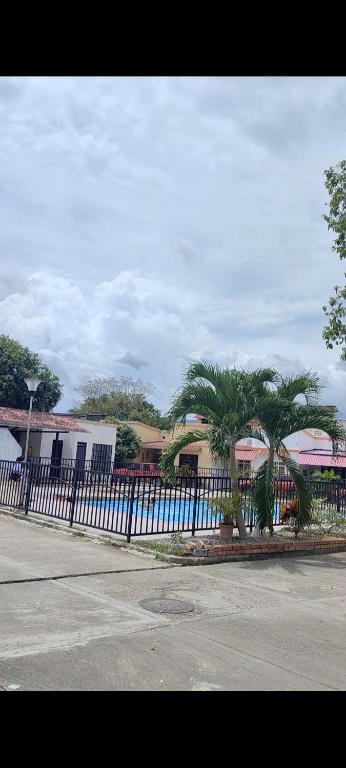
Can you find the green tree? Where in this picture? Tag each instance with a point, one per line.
(123, 398)
(127, 443)
(280, 415)
(335, 330)
(227, 398)
(18, 362)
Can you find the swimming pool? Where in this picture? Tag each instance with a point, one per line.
(176, 512)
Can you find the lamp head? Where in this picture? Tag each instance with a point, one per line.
(32, 383)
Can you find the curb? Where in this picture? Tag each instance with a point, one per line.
(152, 554)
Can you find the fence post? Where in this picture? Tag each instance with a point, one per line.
(195, 499)
(28, 491)
(129, 522)
(74, 494)
(338, 496)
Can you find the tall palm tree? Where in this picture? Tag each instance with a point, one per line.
(280, 415)
(227, 399)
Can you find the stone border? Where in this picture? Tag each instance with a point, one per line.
(222, 553)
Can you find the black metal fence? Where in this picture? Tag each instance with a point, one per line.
(121, 467)
(140, 505)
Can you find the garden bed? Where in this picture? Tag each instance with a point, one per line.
(198, 549)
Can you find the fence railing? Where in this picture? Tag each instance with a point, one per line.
(140, 505)
(122, 467)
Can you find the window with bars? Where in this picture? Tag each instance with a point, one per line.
(101, 457)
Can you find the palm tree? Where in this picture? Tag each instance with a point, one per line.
(227, 399)
(280, 415)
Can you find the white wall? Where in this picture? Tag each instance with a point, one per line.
(9, 448)
(96, 433)
(106, 434)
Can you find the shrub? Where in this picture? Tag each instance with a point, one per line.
(327, 519)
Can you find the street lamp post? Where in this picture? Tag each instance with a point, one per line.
(32, 384)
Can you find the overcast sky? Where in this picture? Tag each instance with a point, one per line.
(149, 221)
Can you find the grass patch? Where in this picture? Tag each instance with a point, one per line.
(165, 547)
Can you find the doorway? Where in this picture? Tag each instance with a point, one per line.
(80, 460)
(57, 446)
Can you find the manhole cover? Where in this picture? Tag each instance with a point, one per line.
(166, 606)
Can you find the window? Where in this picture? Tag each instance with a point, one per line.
(279, 468)
(244, 468)
(101, 457)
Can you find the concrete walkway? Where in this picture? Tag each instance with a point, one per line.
(264, 625)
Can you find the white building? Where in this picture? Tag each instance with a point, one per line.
(57, 437)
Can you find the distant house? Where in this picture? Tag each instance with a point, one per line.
(311, 449)
(56, 436)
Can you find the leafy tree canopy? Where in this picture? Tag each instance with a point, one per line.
(122, 398)
(335, 330)
(18, 362)
(127, 443)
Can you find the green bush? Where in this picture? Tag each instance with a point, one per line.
(327, 519)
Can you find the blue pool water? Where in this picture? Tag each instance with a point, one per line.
(180, 510)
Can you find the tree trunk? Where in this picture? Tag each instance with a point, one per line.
(234, 487)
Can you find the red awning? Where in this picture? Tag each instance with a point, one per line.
(321, 460)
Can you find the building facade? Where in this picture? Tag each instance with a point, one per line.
(57, 437)
(310, 448)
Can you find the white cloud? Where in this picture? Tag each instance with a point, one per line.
(148, 221)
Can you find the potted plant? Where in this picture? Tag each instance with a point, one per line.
(229, 507)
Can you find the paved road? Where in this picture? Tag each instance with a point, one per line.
(260, 625)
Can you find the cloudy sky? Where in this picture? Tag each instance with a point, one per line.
(149, 221)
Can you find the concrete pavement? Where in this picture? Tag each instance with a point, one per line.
(261, 625)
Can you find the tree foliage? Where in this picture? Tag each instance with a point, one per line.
(127, 443)
(232, 401)
(227, 399)
(280, 415)
(18, 362)
(335, 330)
(123, 398)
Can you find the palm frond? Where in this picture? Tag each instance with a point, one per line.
(263, 494)
(307, 384)
(197, 398)
(314, 417)
(302, 488)
(202, 371)
(262, 376)
(254, 434)
(170, 453)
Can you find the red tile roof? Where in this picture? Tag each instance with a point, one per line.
(244, 452)
(249, 454)
(14, 418)
(161, 444)
(154, 444)
(319, 460)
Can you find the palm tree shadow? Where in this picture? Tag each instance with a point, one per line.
(297, 564)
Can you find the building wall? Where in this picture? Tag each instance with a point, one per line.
(10, 449)
(144, 431)
(181, 429)
(106, 434)
(41, 443)
(299, 441)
